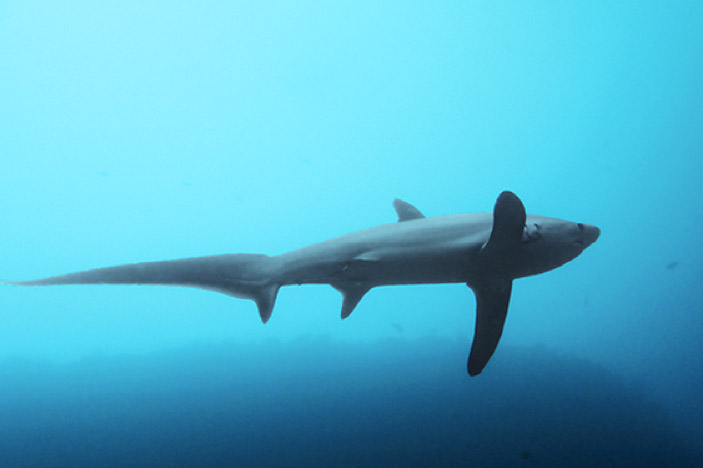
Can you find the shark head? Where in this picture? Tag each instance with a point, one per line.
(519, 245)
(548, 243)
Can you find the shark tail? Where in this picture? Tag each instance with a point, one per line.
(246, 276)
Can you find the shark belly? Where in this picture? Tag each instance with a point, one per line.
(450, 266)
(426, 250)
(379, 265)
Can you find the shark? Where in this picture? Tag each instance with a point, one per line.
(485, 251)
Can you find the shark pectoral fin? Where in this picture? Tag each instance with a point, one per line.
(406, 211)
(352, 294)
(492, 299)
(508, 217)
(265, 298)
(508, 224)
(493, 291)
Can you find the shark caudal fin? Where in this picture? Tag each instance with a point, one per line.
(246, 276)
(494, 288)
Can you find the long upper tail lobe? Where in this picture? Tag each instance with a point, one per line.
(247, 276)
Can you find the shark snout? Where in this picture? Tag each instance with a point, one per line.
(590, 234)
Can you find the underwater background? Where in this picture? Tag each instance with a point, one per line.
(148, 130)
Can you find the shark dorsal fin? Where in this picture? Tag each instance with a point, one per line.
(406, 211)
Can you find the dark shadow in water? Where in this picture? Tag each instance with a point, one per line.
(319, 403)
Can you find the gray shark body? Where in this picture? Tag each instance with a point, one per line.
(487, 251)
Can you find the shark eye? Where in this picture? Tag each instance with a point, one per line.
(580, 226)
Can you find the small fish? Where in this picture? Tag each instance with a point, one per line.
(398, 327)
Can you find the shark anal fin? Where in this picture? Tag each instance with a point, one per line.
(406, 211)
(492, 299)
(265, 298)
(352, 294)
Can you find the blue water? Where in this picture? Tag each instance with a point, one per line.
(136, 131)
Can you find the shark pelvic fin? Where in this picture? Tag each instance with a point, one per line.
(492, 299)
(406, 211)
(352, 294)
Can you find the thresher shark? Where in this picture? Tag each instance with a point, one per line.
(487, 251)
